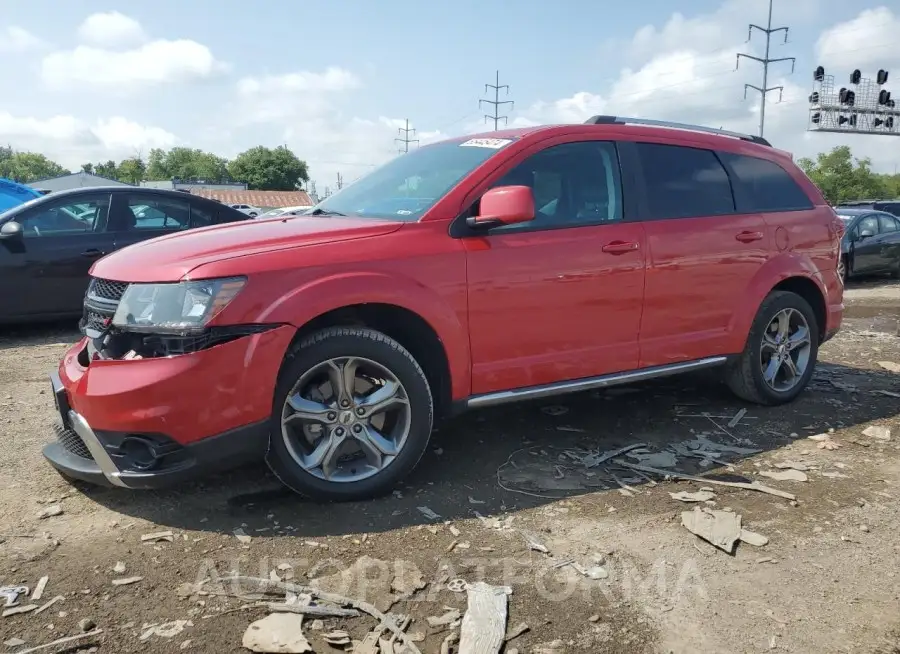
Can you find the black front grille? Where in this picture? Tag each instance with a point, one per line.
(94, 321)
(106, 289)
(72, 442)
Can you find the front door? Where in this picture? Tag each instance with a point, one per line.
(560, 297)
(867, 246)
(61, 240)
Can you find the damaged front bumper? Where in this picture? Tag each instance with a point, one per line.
(154, 421)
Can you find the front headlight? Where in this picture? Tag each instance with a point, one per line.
(178, 308)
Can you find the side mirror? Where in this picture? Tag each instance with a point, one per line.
(866, 234)
(10, 231)
(504, 205)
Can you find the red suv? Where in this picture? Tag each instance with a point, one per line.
(510, 266)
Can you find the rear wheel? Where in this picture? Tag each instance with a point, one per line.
(842, 269)
(780, 355)
(352, 415)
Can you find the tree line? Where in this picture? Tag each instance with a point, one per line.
(261, 168)
(842, 177)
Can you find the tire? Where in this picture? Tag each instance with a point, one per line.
(745, 375)
(843, 268)
(252, 214)
(369, 348)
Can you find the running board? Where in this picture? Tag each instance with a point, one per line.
(589, 383)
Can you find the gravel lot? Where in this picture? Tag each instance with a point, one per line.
(827, 581)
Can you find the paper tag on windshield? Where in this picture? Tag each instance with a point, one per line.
(493, 144)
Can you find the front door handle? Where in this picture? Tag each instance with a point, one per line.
(92, 253)
(749, 237)
(620, 247)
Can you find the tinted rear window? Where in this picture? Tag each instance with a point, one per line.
(766, 186)
(684, 182)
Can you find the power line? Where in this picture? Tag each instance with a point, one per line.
(496, 102)
(405, 140)
(765, 61)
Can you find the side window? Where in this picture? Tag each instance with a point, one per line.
(154, 214)
(66, 217)
(887, 224)
(868, 224)
(573, 184)
(684, 182)
(201, 216)
(767, 186)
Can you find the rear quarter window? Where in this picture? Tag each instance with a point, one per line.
(764, 186)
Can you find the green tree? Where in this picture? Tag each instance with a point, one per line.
(841, 177)
(185, 163)
(26, 167)
(266, 169)
(109, 170)
(87, 168)
(132, 170)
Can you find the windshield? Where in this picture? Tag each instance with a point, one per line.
(408, 186)
(845, 217)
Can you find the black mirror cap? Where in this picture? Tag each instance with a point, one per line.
(11, 230)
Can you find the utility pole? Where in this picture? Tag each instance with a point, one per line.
(405, 140)
(340, 182)
(765, 61)
(496, 103)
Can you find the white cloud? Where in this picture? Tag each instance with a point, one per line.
(14, 39)
(111, 30)
(118, 57)
(71, 141)
(684, 71)
(332, 79)
(867, 41)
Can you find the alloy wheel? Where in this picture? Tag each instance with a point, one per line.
(346, 419)
(842, 270)
(785, 350)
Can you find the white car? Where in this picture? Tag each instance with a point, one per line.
(285, 211)
(248, 209)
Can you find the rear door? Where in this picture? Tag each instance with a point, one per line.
(887, 256)
(142, 216)
(702, 253)
(62, 238)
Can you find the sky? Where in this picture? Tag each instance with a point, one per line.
(335, 79)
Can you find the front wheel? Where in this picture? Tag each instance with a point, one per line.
(780, 355)
(842, 269)
(352, 415)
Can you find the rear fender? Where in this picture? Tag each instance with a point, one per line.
(319, 296)
(775, 271)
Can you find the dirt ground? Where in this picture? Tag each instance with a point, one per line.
(621, 574)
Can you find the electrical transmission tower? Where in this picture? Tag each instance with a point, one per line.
(406, 140)
(340, 181)
(496, 103)
(764, 90)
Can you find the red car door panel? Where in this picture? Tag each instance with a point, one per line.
(558, 298)
(549, 306)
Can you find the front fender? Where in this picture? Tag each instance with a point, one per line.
(773, 272)
(319, 296)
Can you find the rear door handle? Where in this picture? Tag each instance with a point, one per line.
(92, 252)
(620, 247)
(749, 237)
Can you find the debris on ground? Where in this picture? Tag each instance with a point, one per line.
(534, 543)
(699, 496)
(166, 629)
(890, 366)
(449, 619)
(428, 513)
(737, 418)
(718, 482)
(753, 538)
(516, 631)
(14, 642)
(39, 588)
(278, 633)
(554, 410)
(10, 594)
(721, 528)
(484, 625)
(792, 465)
(337, 638)
(60, 641)
(17, 610)
(126, 581)
(50, 512)
(407, 580)
(159, 536)
(878, 432)
(364, 578)
(825, 442)
(119, 568)
(789, 474)
(86, 624)
(242, 536)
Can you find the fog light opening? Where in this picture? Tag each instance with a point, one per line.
(140, 453)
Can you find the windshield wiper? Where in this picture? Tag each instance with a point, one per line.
(325, 212)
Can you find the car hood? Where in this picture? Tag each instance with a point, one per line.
(172, 257)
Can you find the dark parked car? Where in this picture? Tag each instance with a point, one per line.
(47, 245)
(890, 206)
(871, 243)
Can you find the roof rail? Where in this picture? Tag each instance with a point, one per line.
(621, 120)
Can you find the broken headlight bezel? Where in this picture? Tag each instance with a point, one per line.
(180, 308)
